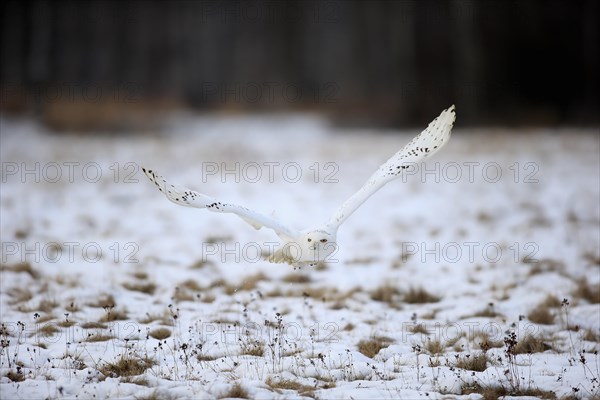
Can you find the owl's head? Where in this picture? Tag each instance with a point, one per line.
(319, 241)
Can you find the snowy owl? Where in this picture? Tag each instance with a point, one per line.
(309, 246)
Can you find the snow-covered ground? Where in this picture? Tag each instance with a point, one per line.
(110, 291)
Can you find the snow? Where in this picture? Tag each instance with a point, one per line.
(465, 240)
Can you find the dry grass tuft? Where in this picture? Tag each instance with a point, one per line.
(371, 347)
(148, 288)
(97, 337)
(23, 267)
(114, 315)
(419, 328)
(66, 323)
(488, 312)
(19, 295)
(104, 301)
(15, 376)
(545, 265)
(181, 295)
(471, 362)
(584, 290)
(591, 336)
(420, 296)
(236, 392)
(288, 384)
(296, 278)
(164, 318)
(93, 325)
(541, 315)
(200, 264)
(434, 347)
(349, 326)
(530, 344)
(496, 392)
(72, 307)
(551, 301)
(44, 318)
(160, 333)
(484, 341)
(127, 366)
(192, 285)
(386, 293)
(136, 380)
(250, 282)
(253, 348)
(47, 330)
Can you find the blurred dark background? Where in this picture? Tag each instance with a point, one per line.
(97, 64)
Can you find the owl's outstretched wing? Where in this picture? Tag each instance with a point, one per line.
(427, 143)
(190, 198)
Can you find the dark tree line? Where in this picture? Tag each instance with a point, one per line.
(392, 62)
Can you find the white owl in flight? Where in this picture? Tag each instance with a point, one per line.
(309, 246)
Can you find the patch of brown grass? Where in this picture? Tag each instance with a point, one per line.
(472, 362)
(253, 348)
(97, 337)
(181, 295)
(114, 315)
(104, 301)
(419, 328)
(15, 376)
(48, 330)
(160, 333)
(19, 295)
(251, 282)
(192, 285)
(200, 264)
(72, 307)
(44, 318)
(545, 265)
(288, 384)
(164, 318)
(488, 312)
(386, 293)
(590, 293)
(46, 305)
(541, 315)
(349, 326)
(531, 344)
(591, 336)
(372, 346)
(148, 287)
(136, 380)
(420, 296)
(236, 391)
(434, 347)
(496, 392)
(484, 341)
(141, 275)
(19, 268)
(66, 323)
(296, 278)
(127, 366)
(93, 325)
(551, 301)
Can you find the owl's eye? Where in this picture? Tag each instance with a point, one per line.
(323, 240)
(309, 239)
